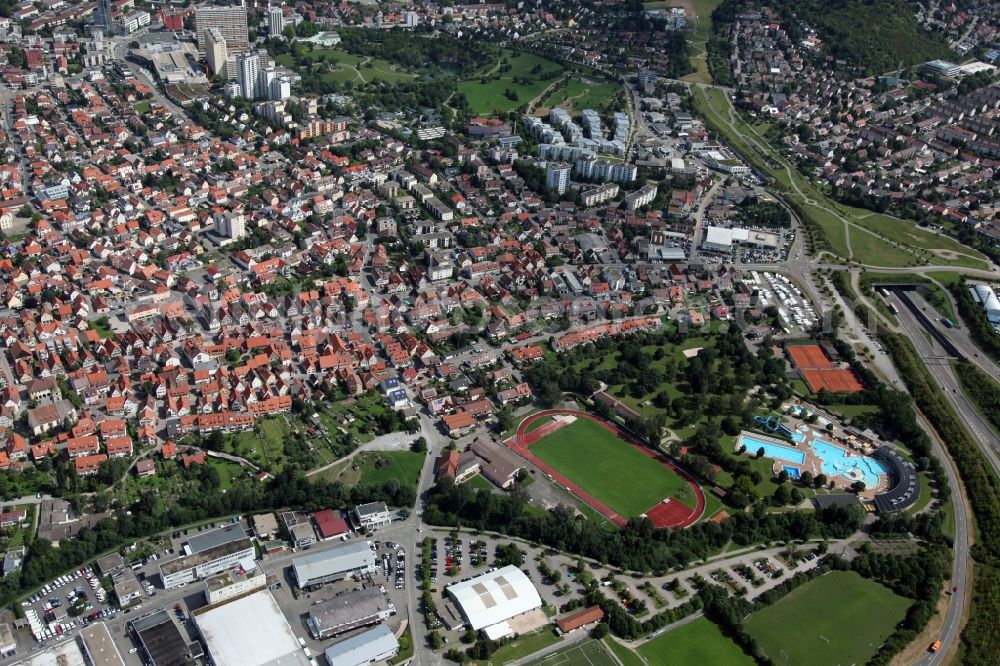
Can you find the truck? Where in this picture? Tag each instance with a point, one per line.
(935, 646)
(947, 323)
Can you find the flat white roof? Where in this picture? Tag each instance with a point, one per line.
(66, 653)
(362, 648)
(250, 631)
(495, 596)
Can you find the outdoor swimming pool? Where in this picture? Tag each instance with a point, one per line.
(773, 450)
(856, 467)
(793, 472)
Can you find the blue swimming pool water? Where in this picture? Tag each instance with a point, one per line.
(793, 472)
(773, 450)
(797, 437)
(856, 467)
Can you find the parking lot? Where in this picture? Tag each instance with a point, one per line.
(65, 604)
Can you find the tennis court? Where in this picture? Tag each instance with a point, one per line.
(585, 652)
(810, 357)
(834, 380)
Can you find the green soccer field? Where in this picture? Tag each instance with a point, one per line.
(585, 653)
(839, 618)
(698, 642)
(611, 470)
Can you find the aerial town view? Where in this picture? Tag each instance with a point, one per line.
(511, 333)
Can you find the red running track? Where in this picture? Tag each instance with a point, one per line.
(673, 513)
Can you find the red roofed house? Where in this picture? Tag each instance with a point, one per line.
(330, 525)
(88, 465)
(580, 618)
(119, 447)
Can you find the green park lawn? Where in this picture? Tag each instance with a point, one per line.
(375, 467)
(611, 470)
(340, 66)
(838, 618)
(485, 98)
(581, 92)
(698, 642)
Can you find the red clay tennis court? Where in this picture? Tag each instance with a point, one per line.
(834, 381)
(809, 357)
(820, 373)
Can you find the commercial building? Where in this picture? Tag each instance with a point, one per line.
(126, 586)
(103, 17)
(721, 239)
(212, 538)
(160, 641)
(375, 645)
(231, 21)
(238, 580)
(337, 563)
(98, 647)
(205, 562)
(248, 631)
(302, 535)
(488, 602)
(724, 161)
(940, 68)
(348, 611)
(987, 299)
(557, 177)
(8, 645)
(372, 515)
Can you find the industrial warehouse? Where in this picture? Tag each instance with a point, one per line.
(250, 631)
(327, 566)
(348, 611)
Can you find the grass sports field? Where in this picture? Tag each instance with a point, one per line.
(612, 471)
(584, 653)
(840, 618)
(698, 642)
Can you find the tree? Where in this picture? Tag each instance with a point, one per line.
(509, 554)
(858, 486)
(434, 640)
(600, 631)
(820, 480)
(419, 445)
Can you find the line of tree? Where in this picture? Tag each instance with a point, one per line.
(638, 546)
(147, 516)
